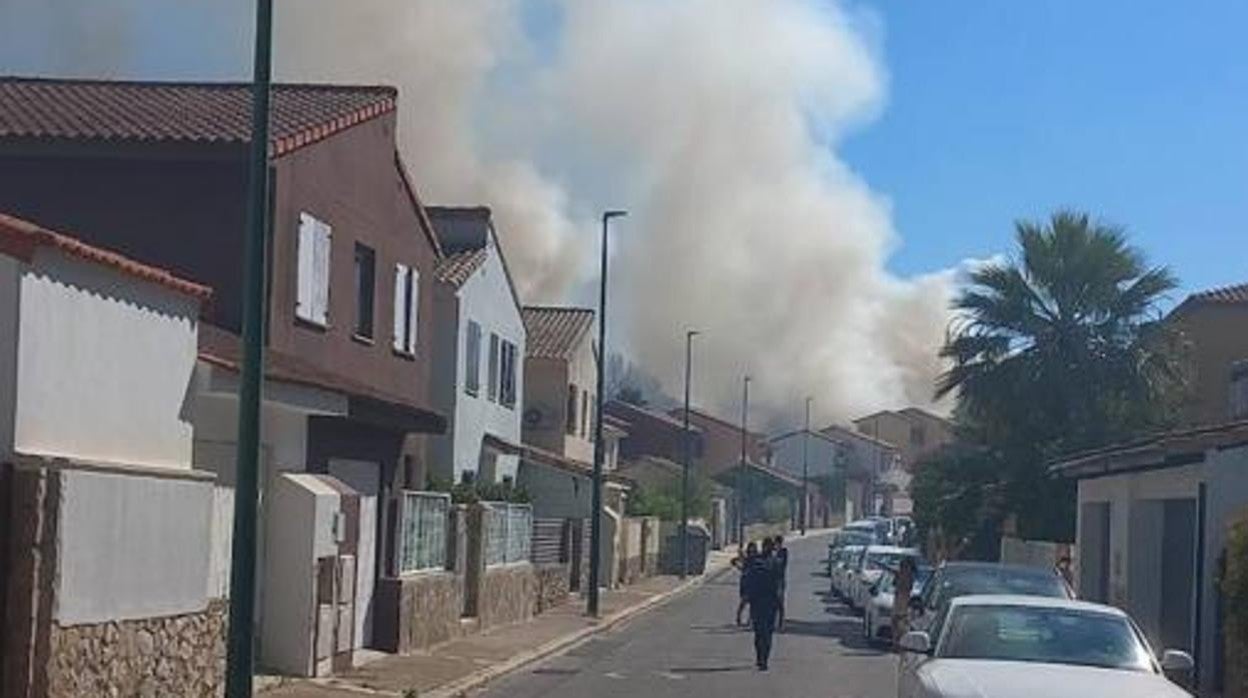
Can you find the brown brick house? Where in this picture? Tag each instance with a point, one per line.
(1214, 324)
(157, 171)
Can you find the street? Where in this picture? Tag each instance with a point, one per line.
(689, 647)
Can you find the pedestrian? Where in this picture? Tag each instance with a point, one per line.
(1064, 568)
(782, 572)
(903, 585)
(741, 562)
(760, 590)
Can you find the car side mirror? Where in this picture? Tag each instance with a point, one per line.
(916, 641)
(874, 590)
(1176, 661)
(916, 604)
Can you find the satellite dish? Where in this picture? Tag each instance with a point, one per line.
(532, 417)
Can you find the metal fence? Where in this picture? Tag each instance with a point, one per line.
(509, 532)
(550, 541)
(423, 530)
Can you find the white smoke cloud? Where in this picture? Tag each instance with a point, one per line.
(713, 121)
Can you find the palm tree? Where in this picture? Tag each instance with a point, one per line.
(1061, 349)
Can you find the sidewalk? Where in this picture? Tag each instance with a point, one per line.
(459, 665)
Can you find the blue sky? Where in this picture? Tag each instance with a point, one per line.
(1134, 110)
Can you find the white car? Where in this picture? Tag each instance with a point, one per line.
(1016, 646)
(877, 614)
(847, 559)
(872, 563)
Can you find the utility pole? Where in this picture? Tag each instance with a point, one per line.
(745, 414)
(595, 522)
(684, 479)
(806, 466)
(239, 649)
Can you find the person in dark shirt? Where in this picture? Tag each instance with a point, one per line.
(759, 582)
(741, 561)
(781, 556)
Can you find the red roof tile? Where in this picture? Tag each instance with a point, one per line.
(1226, 294)
(20, 238)
(554, 332)
(152, 112)
(456, 269)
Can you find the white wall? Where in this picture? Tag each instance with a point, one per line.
(104, 365)
(132, 546)
(821, 455)
(556, 494)
(486, 299)
(9, 303)
(1226, 496)
(583, 372)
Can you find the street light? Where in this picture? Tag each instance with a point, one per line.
(745, 412)
(684, 481)
(595, 523)
(239, 645)
(805, 509)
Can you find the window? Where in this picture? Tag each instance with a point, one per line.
(507, 375)
(570, 416)
(312, 270)
(424, 528)
(584, 412)
(406, 308)
(491, 388)
(472, 359)
(364, 283)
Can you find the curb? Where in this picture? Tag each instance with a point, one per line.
(461, 687)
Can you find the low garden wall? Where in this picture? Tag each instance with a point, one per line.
(427, 610)
(508, 594)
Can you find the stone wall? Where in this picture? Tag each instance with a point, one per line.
(631, 569)
(180, 655)
(552, 585)
(508, 594)
(429, 605)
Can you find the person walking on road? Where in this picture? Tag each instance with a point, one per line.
(741, 562)
(782, 572)
(903, 586)
(760, 585)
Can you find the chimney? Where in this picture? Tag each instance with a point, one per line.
(1239, 390)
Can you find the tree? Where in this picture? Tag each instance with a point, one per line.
(1058, 351)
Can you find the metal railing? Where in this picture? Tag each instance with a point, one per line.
(508, 532)
(423, 530)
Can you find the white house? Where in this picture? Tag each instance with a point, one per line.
(816, 456)
(478, 376)
(108, 520)
(1153, 519)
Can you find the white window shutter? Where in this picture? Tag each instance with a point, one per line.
(400, 307)
(305, 251)
(321, 267)
(414, 311)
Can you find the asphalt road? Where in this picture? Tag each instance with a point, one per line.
(690, 648)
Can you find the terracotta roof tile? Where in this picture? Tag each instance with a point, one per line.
(554, 332)
(1226, 294)
(153, 112)
(457, 268)
(20, 238)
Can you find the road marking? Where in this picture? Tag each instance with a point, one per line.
(614, 675)
(670, 675)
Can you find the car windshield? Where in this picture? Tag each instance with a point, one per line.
(1004, 580)
(1042, 634)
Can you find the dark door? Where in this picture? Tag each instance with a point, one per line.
(1094, 551)
(1178, 573)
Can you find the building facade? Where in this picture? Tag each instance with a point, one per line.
(479, 352)
(1212, 325)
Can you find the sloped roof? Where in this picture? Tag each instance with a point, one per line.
(20, 238)
(1226, 295)
(458, 267)
(554, 331)
(181, 112)
(1160, 450)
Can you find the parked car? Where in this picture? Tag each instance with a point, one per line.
(954, 579)
(1015, 646)
(847, 537)
(871, 564)
(877, 616)
(848, 559)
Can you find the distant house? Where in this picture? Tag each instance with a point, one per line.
(157, 171)
(868, 462)
(105, 525)
(1213, 323)
(479, 350)
(915, 433)
(817, 456)
(654, 433)
(1153, 519)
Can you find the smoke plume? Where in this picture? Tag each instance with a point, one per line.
(714, 122)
